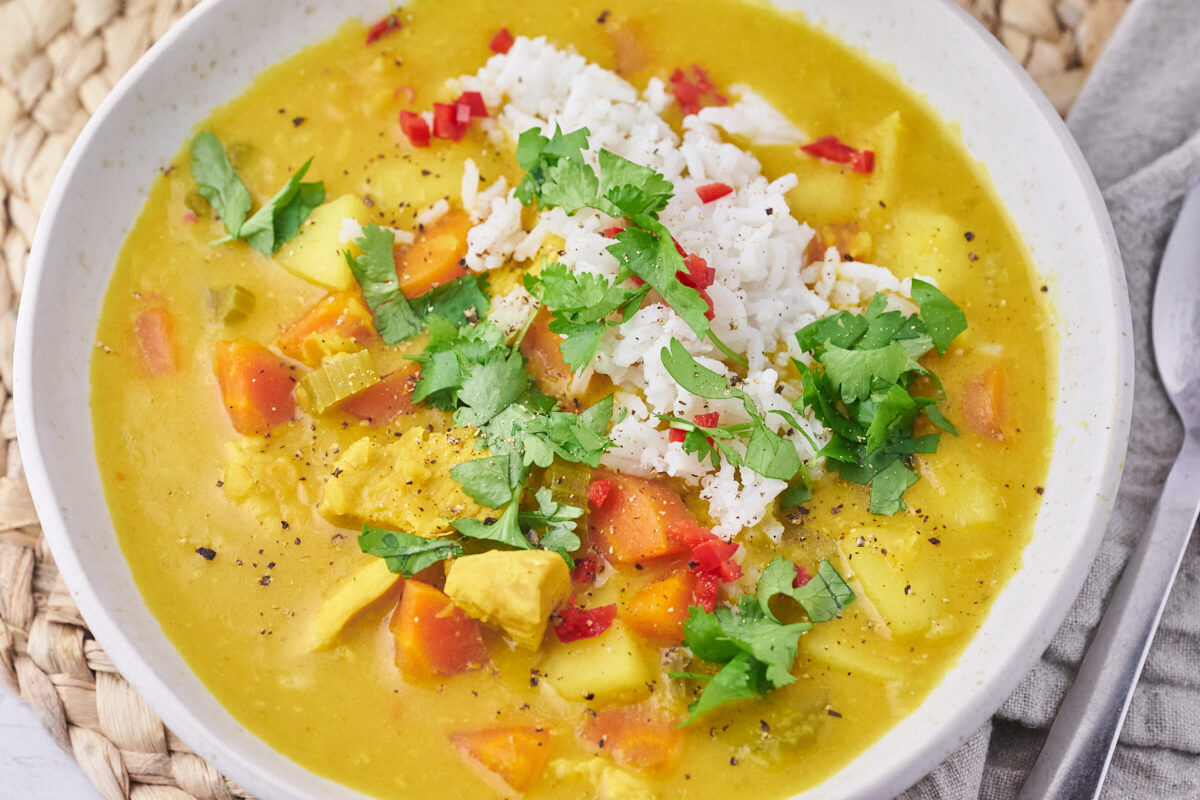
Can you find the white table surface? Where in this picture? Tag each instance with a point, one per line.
(31, 765)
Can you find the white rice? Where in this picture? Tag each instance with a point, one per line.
(765, 288)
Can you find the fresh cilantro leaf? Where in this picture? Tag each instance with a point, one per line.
(855, 373)
(491, 387)
(218, 183)
(890, 410)
(506, 530)
(842, 329)
(375, 271)
(742, 678)
(580, 342)
(825, 594)
(460, 301)
(693, 376)
(487, 481)
(943, 319)
(629, 188)
(771, 455)
(405, 553)
(556, 523)
(568, 185)
(646, 249)
(888, 488)
(280, 217)
(555, 169)
(704, 634)
(798, 492)
(936, 416)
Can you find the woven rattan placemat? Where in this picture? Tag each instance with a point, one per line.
(58, 59)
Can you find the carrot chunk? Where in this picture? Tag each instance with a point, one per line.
(985, 403)
(154, 330)
(516, 755)
(382, 402)
(339, 322)
(436, 257)
(632, 524)
(658, 610)
(633, 738)
(544, 359)
(257, 386)
(434, 638)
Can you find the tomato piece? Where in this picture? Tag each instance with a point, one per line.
(382, 402)
(257, 386)
(632, 524)
(658, 609)
(516, 755)
(633, 738)
(382, 28)
(985, 403)
(434, 638)
(415, 128)
(544, 359)
(339, 322)
(830, 148)
(713, 191)
(154, 332)
(688, 533)
(436, 257)
(575, 623)
(502, 42)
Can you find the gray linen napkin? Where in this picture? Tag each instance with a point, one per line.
(1138, 123)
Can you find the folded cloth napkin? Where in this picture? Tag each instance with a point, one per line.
(1138, 123)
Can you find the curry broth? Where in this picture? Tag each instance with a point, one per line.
(241, 620)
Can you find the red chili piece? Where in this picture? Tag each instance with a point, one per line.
(598, 492)
(576, 623)
(699, 276)
(382, 28)
(585, 571)
(474, 103)
(676, 435)
(802, 577)
(445, 122)
(415, 128)
(710, 420)
(705, 593)
(713, 558)
(502, 42)
(612, 232)
(831, 148)
(689, 533)
(694, 94)
(713, 191)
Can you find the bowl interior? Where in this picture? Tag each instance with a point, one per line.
(213, 55)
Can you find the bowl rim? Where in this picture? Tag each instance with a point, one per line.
(142, 674)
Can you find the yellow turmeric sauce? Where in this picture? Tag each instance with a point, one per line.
(179, 479)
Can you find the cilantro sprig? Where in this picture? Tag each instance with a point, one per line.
(276, 222)
(755, 649)
(860, 388)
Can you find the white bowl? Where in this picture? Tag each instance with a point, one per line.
(213, 54)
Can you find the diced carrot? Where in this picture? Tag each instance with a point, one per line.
(382, 402)
(632, 524)
(433, 636)
(436, 257)
(154, 330)
(543, 357)
(339, 321)
(632, 737)
(985, 403)
(658, 610)
(516, 755)
(258, 387)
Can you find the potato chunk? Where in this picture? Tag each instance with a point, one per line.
(404, 484)
(316, 253)
(607, 668)
(513, 589)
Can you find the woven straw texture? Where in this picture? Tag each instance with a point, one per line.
(58, 60)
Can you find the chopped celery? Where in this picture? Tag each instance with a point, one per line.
(231, 303)
(568, 483)
(341, 376)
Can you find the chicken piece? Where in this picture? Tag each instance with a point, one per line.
(404, 484)
(352, 594)
(515, 590)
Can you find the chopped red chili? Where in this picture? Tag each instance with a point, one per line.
(713, 558)
(585, 571)
(710, 420)
(689, 533)
(612, 232)
(445, 122)
(574, 623)
(802, 577)
(831, 148)
(676, 435)
(598, 492)
(382, 28)
(474, 103)
(713, 191)
(699, 276)
(705, 593)
(502, 42)
(695, 93)
(415, 128)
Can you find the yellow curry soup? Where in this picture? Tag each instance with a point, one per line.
(251, 562)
